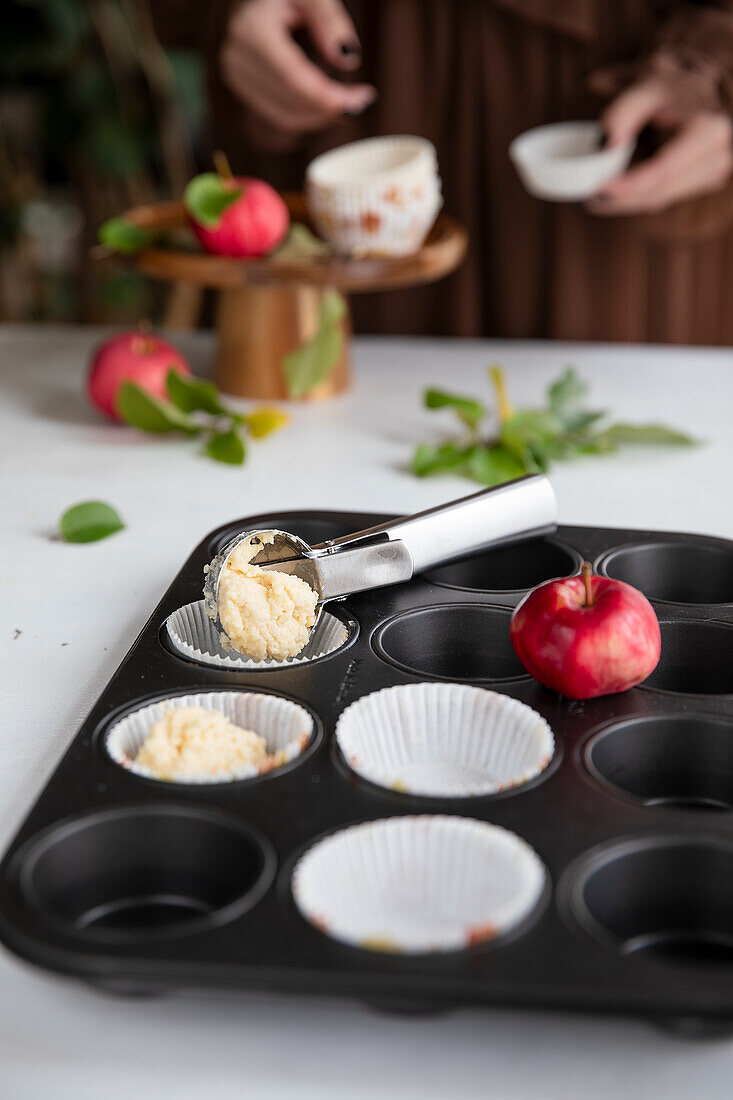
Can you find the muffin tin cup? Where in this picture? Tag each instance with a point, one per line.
(462, 642)
(697, 659)
(418, 885)
(668, 899)
(513, 568)
(195, 637)
(145, 872)
(674, 761)
(694, 573)
(286, 727)
(444, 740)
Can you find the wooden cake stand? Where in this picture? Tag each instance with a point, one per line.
(267, 308)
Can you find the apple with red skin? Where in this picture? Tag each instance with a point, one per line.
(587, 635)
(236, 215)
(139, 357)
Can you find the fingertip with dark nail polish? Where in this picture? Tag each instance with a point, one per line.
(350, 50)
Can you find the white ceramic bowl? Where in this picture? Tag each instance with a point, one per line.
(377, 197)
(564, 163)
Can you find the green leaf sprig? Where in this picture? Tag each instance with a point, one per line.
(89, 522)
(194, 407)
(310, 364)
(528, 440)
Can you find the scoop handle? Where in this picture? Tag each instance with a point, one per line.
(521, 509)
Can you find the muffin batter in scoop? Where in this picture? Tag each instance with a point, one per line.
(265, 614)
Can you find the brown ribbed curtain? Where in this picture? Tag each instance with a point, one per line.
(470, 75)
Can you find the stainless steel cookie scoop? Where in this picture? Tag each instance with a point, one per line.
(394, 552)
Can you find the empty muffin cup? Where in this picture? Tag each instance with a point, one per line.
(452, 642)
(286, 727)
(697, 659)
(666, 898)
(675, 572)
(677, 761)
(418, 884)
(192, 635)
(136, 872)
(511, 568)
(444, 740)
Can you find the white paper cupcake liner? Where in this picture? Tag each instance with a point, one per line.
(377, 197)
(563, 162)
(418, 884)
(398, 160)
(388, 222)
(444, 740)
(284, 725)
(195, 636)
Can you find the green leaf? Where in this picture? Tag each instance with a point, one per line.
(564, 397)
(140, 409)
(333, 307)
(310, 364)
(494, 465)
(192, 395)
(429, 459)
(227, 447)
(207, 197)
(656, 434)
(120, 235)
(566, 391)
(301, 245)
(471, 412)
(89, 522)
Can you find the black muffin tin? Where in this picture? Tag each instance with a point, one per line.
(142, 886)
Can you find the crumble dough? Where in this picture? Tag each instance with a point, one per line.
(265, 615)
(193, 743)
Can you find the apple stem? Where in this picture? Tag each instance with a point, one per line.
(587, 572)
(222, 165)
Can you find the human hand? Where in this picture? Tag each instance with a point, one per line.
(285, 92)
(696, 159)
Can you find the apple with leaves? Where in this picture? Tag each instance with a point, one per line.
(587, 635)
(235, 215)
(139, 357)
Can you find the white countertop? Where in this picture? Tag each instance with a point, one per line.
(79, 608)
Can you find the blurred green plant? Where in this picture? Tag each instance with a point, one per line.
(93, 109)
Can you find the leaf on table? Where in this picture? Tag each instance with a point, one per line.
(494, 465)
(207, 197)
(656, 434)
(309, 365)
(564, 398)
(264, 421)
(226, 447)
(429, 459)
(470, 411)
(89, 522)
(301, 245)
(122, 236)
(150, 414)
(194, 395)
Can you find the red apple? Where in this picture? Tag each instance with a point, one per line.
(586, 636)
(236, 215)
(137, 357)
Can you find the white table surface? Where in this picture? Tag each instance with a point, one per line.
(80, 607)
